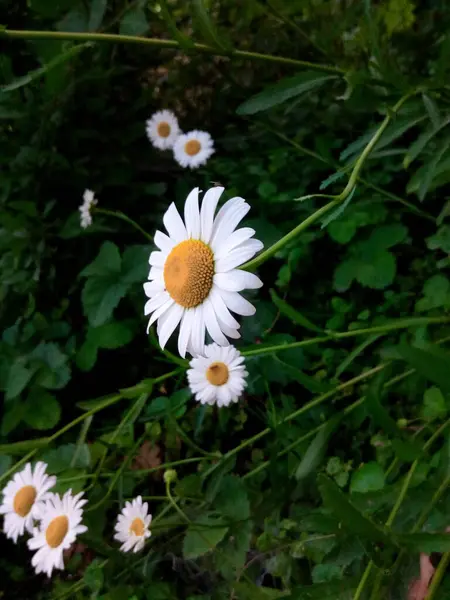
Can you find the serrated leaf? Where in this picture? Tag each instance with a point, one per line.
(424, 542)
(98, 9)
(422, 141)
(207, 27)
(284, 90)
(41, 410)
(232, 499)
(203, 535)
(368, 478)
(18, 378)
(431, 362)
(434, 405)
(293, 314)
(338, 211)
(316, 450)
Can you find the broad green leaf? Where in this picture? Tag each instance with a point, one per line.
(282, 91)
(331, 590)
(434, 404)
(41, 410)
(54, 371)
(134, 22)
(60, 459)
(203, 535)
(419, 145)
(316, 450)
(135, 263)
(76, 20)
(440, 240)
(98, 9)
(436, 293)
(368, 478)
(18, 378)
(110, 336)
(424, 542)
(86, 356)
(234, 549)
(293, 314)
(208, 30)
(351, 518)
(431, 362)
(12, 417)
(93, 576)
(107, 262)
(232, 500)
(38, 73)
(326, 572)
(5, 463)
(100, 297)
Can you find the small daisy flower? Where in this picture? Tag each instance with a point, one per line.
(85, 209)
(132, 527)
(22, 498)
(163, 129)
(193, 149)
(59, 527)
(193, 277)
(218, 377)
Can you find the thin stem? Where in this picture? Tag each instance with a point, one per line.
(175, 505)
(18, 464)
(386, 328)
(438, 575)
(159, 43)
(120, 215)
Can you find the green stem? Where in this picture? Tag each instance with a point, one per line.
(175, 505)
(438, 575)
(124, 217)
(386, 328)
(18, 464)
(159, 43)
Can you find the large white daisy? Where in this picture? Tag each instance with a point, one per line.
(218, 377)
(58, 529)
(193, 149)
(193, 276)
(162, 129)
(132, 527)
(22, 498)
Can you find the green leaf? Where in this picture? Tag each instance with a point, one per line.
(21, 448)
(432, 110)
(326, 572)
(431, 362)
(41, 410)
(436, 293)
(107, 262)
(310, 383)
(203, 535)
(316, 450)
(419, 145)
(378, 274)
(282, 91)
(351, 518)
(293, 314)
(246, 590)
(424, 542)
(206, 27)
(185, 42)
(110, 336)
(331, 590)
(235, 548)
(5, 463)
(38, 73)
(134, 23)
(434, 405)
(100, 296)
(86, 356)
(93, 576)
(232, 500)
(60, 459)
(18, 378)
(98, 9)
(12, 417)
(355, 353)
(440, 240)
(368, 478)
(431, 167)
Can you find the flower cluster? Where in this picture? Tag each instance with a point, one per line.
(89, 201)
(191, 149)
(195, 283)
(55, 521)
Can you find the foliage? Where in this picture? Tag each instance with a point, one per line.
(331, 475)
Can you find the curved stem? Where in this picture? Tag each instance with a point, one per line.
(438, 575)
(175, 505)
(159, 43)
(120, 215)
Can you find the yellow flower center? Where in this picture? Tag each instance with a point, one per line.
(189, 272)
(24, 500)
(217, 373)
(137, 527)
(192, 147)
(56, 531)
(163, 129)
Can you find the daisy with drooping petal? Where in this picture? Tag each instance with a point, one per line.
(193, 149)
(132, 527)
(22, 498)
(58, 529)
(89, 201)
(163, 129)
(218, 377)
(193, 277)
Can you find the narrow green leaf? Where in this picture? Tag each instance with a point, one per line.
(206, 26)
(310, 383)
(293, 314)
(23, 447)
(38, 73)
(98, 9)
(424, 542)
(338, 211)
(419, 145)
(351, 518)
(284, 90)
(431, 362)
(355, 353)
(316, 450)
(430, 169)
(185, 42)
(432, 110)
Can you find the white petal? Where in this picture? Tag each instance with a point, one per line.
(185, 331)
(227, 330)
(221, 309)
(236, 239)
(157, 259)
(155, 302)
(237, 303)
(153, 287)
(237, 280)
(228, 223)
(212, 325)
(174, 224)
(192, 215)
(171, 320)
(156, 273)
(163, 242)
(197, 341)
(160, 311)
(238, 256)
(209, 204)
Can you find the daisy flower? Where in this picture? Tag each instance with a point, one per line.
(218, 377)
(59, 527)
(193, 149)
(163, 129)
(193, 277)
(132, 527)
(22, 498)
(85, 209)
